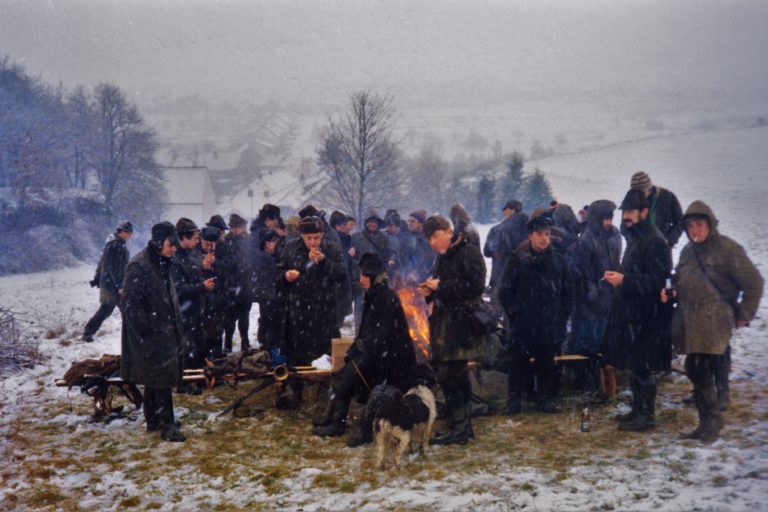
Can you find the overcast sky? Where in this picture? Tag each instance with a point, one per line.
(447, 51)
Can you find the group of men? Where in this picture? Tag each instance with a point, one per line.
(183, 296)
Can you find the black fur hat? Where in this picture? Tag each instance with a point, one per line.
(311, 224)
(210, 234)
(217, 221)
(371, 264)
(164, 231)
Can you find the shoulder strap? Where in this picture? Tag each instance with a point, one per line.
(711, 282)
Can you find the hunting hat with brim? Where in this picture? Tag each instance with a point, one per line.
(217, 221)
(185, 226)
(635, 200)
(539, 223)
(371, 265)
(210, 234)
(310, 225)
(236, 221)
(165, 231)
(125, 226)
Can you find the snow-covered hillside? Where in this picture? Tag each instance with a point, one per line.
(55, 459)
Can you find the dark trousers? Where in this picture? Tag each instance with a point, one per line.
(270, 324)
(240, 314)
(543, 370)
(453, 377)
(214, 325)
(158, 407)
(702, 370)
(96, 320)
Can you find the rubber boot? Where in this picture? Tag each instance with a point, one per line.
(713, 419)
(514, 399)
(645, 418)
(338, 424)
(172, 434)
(700, 408)
(460, 433)
(723, 387)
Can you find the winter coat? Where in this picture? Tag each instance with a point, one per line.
(666, 213)
(112, 265)
(309, 321)
(461, 271)
(187, 278)
(237, 267)
(504, 238)
(596, 251)
(638, 333)
(417, 257)
(536, 294)
(383, 345)
(264, 275)
(377, 242)
(710, 276)
(152, 336)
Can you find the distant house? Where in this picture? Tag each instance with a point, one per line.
(190, 194)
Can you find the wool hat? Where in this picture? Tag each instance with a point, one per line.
(635, 200)
(419, 215)
(337, 218)
(185, 225)
(236, 221)
(311, 224)
(217, 221)
(641, 181)
(513, 204)
(434, 224)
(210, 234)
(164, 231)
(539, 223)
(309, 211)
(371, 264)
(125, 226)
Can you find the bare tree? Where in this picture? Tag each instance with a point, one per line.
(360, 157)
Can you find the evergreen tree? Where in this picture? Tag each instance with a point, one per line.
(538, 192)
(512, 184)
(484, 210)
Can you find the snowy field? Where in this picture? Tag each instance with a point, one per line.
(55, 459)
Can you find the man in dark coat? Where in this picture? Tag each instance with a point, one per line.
(383, 350)
(638, 334)
(536, 294)
(153, 332)
(186, 271)
(307, 278)
(504, 238)
(718, 289)
(371, 240)
(419, 256)
(598, 250)
(109, 278)
(665, 210)
(238, 268)
(268, 218)
(211, 257)
(264, 266)
(455, 290)
(339, 223)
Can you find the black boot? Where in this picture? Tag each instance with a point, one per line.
(459, 433)
(624, 418)
(700, 408)
(172, 434)
(514, 396)
(645, 418)
(338, 424)
(713, 419)
(361, 437)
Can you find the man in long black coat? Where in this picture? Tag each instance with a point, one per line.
(264, 260)
(504, 238)
(638, 335)
(211, 256)
(383, 349)
(307, 279)
(536, 294)
(237, 265)
(109, 278)
(153, 331)
(186, 271)
(598, 250)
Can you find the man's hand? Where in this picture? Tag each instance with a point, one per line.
(120, 292)
(292, 275)
(351, 252)
(316, 255)
(615, 279)
(432, 283)
(665, 297)
(209, 284)
(423, 290)
(209, 260)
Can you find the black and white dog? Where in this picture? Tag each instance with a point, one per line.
(405, 420)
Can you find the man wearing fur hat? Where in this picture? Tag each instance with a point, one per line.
(307, 278)
(717, 288)
(109, 278)
(210, 255)
(153, 331)
(264, 262)
(383, 350)
(638, 328)
(186, 271)
(665, 210)
(454, 289)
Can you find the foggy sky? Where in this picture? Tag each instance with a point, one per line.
(459, 53)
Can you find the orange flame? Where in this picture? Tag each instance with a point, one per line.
(415, 308)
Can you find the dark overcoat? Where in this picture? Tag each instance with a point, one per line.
(383, 347)
(536, 294)
(461, 271)
(111, 270)
(504, 238)
(638, 333)
(187, 278)
(309, 321)
(152, 337)
(666, 213)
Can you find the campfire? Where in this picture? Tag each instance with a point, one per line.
(416, 313)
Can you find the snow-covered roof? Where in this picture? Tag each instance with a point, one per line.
(186, 184)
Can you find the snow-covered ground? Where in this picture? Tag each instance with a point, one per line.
(55, 459)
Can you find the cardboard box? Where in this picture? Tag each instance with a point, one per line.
(339, 348)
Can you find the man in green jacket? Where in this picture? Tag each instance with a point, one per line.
(718, 288)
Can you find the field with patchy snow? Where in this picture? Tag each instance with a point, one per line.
(55, 459)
